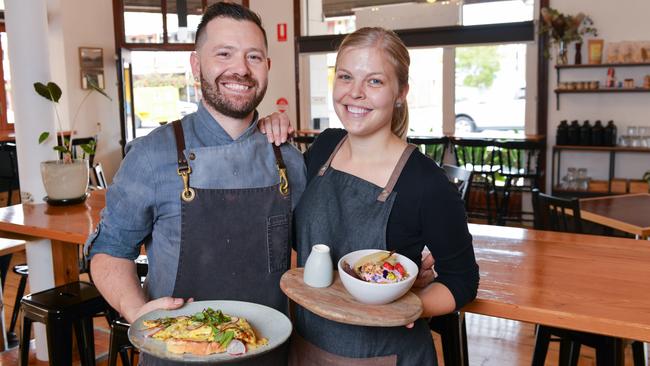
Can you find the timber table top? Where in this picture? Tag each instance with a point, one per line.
(582, 282)
(628, 212)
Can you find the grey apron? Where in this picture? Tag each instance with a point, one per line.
(234, 246)
(349, 213)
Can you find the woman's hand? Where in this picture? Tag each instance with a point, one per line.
(427, 273)
(276, 127)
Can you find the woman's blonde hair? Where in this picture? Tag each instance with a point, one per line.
(398, 56)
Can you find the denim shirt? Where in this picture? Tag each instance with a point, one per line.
(143, 204)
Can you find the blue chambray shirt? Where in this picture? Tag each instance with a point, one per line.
(143, 204)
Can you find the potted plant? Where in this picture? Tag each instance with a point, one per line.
(65, 179)
(563, 29)
(646, 177)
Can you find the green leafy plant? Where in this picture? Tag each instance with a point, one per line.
(52, 92)
(646, 176)
(565, 28)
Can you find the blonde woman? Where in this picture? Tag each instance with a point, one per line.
(368, 188)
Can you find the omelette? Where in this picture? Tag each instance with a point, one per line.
(207, 332)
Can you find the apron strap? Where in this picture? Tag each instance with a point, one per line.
(282, 170)
(323, 168)
(180, 145)
(184, 170)
(383, 196)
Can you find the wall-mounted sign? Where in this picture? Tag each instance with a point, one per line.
(282, 32)
(282, 104)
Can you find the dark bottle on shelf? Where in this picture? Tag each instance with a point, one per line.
(574, 133)
(598, 134)
(585, 134)
(562, 135)
(610, 134)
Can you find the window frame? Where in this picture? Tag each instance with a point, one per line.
(5, 126)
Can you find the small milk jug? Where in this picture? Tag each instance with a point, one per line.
(319, 270)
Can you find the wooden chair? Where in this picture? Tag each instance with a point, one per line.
(302, 142)
(478, 156)
(7, 248)
(119, 344)
(462, 178)
(451, 327)
(98, 179)
(559, 214)
(433, 147)
(520, 165)
(8, 171)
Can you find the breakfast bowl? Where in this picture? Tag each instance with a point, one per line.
(371, 292)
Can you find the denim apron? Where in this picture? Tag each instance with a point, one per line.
(234, 244)
(349, 213)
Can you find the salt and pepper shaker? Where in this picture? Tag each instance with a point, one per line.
(319, 271)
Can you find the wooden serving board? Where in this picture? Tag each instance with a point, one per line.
(336, 304)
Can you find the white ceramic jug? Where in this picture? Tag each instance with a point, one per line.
(319, 271)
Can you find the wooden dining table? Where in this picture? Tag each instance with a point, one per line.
(627, 212)
(581, 282)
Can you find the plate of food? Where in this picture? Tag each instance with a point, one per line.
(210, 331)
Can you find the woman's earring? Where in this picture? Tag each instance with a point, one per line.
(398, 104)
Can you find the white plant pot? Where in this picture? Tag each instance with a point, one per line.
(64, 181)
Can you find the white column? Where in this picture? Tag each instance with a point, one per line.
(27, 33)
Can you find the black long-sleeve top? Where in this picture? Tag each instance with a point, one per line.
(428, 210)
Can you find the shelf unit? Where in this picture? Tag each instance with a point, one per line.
(556, 161)
(558, 68)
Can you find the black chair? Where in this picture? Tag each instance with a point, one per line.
(478, 156)
(9, 171)
(433, 147)
(462, 178)
(520, 165)
(302, 142)
(119, 342)
(77, 152)
(453, 334)
(451, 327)
(97, 178)
(61, 309)
(559, 214)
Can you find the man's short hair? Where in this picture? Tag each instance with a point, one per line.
(227, 10)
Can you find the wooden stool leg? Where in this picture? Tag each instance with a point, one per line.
(26, 330)
(59, 343)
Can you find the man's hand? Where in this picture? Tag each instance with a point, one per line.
(166, 303)
(276, 127)
(427, 274)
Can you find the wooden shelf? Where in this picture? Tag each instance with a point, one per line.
(580, 194)
(601, 148)
(593, 66)
(603, 90)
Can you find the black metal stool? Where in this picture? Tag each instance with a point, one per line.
(60, 309)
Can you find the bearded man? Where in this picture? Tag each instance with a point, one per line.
(208, 196)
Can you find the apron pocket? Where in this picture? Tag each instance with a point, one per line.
(277, 242)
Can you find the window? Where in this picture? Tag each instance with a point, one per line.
(163, 88)
(6, 111)
(490, 90)
(486, 92)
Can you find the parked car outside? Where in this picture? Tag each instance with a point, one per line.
(477, 112)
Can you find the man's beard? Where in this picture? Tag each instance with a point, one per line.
(231, 107)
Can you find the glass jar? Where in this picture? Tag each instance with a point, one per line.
(582, 180)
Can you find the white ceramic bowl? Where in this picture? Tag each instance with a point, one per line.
(376, 293)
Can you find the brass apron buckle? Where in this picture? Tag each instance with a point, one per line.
(188, 193)
(284, 182)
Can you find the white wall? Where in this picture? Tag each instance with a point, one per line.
(89, 23)
(615, 21)
(282, 81)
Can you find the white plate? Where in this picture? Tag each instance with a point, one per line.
(267, 323)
